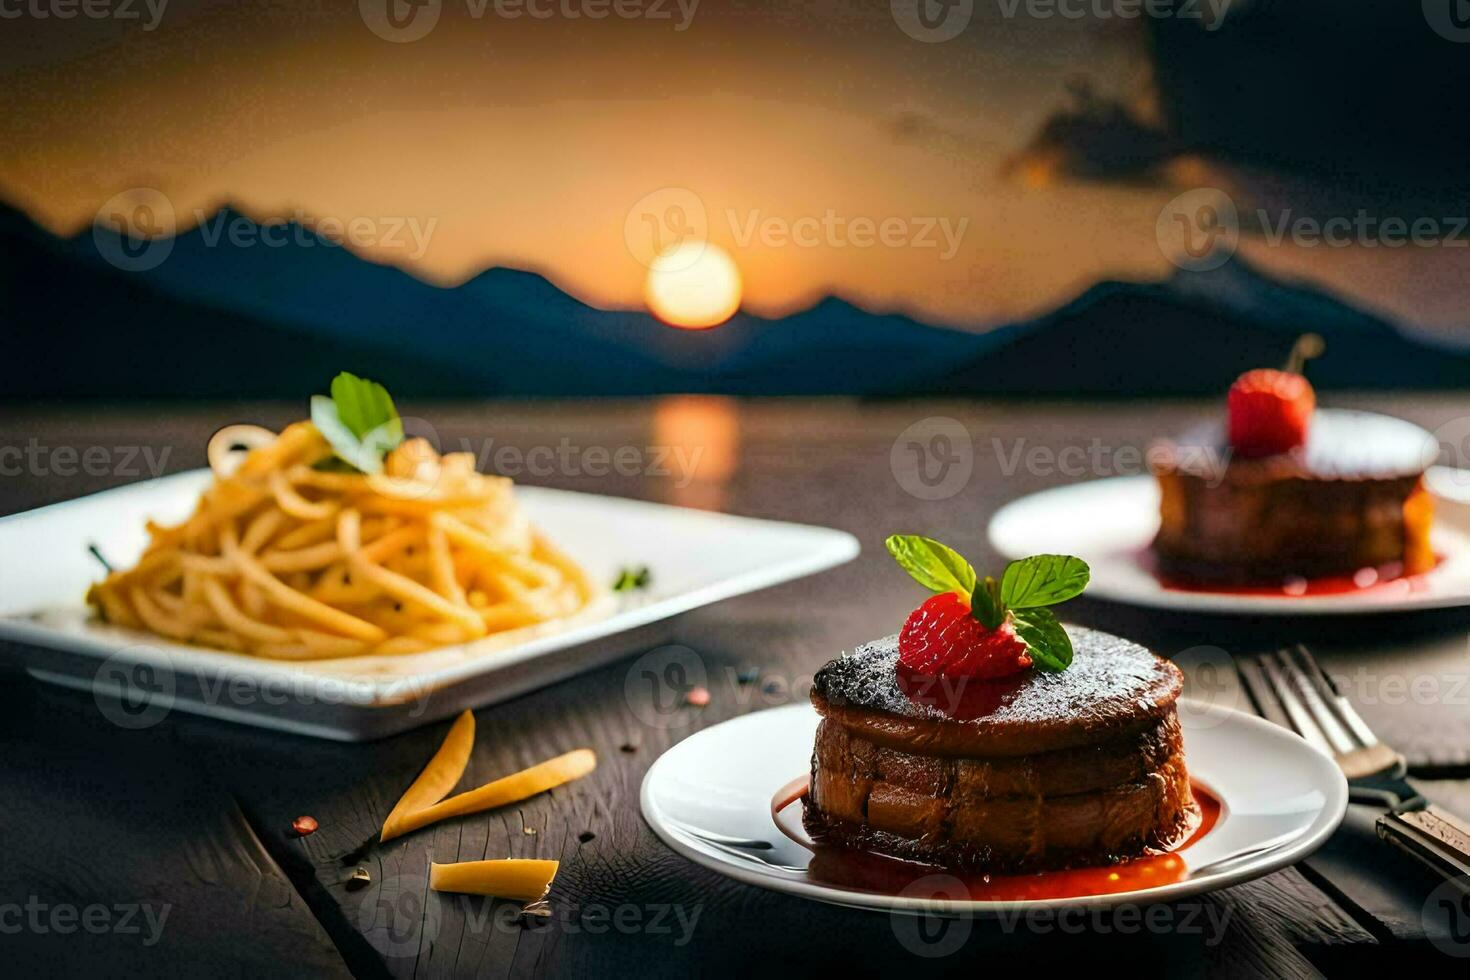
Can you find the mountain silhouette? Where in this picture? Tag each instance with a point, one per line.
(249, 316)
(1193, 334)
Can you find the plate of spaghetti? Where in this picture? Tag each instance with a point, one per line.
(341, 553)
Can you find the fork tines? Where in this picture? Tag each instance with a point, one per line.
(1292, 690)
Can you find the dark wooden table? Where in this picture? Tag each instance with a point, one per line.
(168, 850)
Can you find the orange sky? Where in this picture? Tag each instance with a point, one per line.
(528, 142)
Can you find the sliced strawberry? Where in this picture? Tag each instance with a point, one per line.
(942, 638)
(1269, 412)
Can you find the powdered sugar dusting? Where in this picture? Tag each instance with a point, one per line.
(1112, 681)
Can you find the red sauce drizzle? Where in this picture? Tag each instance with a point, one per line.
(1384, 580)
(866, 871)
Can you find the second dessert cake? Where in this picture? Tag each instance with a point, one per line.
(1285, 490)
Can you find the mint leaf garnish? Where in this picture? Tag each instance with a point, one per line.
(937, 567)
(632, 578)
(362, 405)
(985, 604)
(359, 422)
(1043, 580)
(1026, 587)
(1046, 641)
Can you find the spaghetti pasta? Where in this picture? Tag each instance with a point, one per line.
(287, 557)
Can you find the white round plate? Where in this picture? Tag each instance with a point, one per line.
(710, 799)
(1110, 523)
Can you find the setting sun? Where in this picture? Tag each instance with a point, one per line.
(694, 285)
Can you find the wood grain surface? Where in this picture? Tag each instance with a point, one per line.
(197, 813)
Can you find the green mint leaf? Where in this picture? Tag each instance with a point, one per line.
(349, 449)
(935, 566)
(1043, 580)
(985, 604)
(1046, 641)
(384, 439)
(359, 422)
(364, 405)
(632, 578)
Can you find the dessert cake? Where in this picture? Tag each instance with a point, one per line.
(988, 737)
(1033, 771)
(1349, 496)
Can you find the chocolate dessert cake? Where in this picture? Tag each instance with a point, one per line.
(1033, 771)
(1352, 497)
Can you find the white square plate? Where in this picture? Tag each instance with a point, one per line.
(696, 558)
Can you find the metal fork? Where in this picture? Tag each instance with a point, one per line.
(1292, 690)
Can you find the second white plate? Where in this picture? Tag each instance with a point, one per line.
(1110, 524)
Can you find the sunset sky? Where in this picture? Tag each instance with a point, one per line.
(530, 142)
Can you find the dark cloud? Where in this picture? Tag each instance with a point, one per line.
(1094, 138)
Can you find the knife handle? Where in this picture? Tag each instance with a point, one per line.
(1434, 836)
